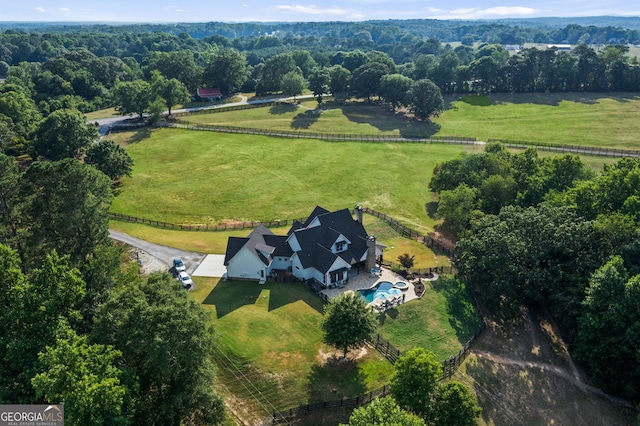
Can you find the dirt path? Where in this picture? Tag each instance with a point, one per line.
(522, 374)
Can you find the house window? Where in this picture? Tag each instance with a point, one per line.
(341, 246)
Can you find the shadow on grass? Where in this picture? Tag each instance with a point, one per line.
(336, 378)
(285, 293)
(431, 207)
(139, 135)
(463, 317)
(282, 108)
(227, 296)
(305, 120)
(385, 120)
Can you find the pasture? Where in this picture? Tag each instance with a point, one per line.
(183, 176)
(588, 119)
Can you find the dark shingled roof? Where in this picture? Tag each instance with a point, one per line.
(262, 242)
(315, 243)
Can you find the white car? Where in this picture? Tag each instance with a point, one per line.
(185, 280)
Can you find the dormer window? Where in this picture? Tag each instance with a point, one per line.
(341, 246)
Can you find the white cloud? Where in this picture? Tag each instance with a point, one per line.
(475, 13)
(40, 9)
(313, 10)
(64, 9)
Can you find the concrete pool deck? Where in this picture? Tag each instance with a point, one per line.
(365, 281)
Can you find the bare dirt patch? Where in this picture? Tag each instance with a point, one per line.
(336, 357)
(523, 375)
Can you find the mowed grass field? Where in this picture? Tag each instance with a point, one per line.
(609, 120)
(191, 177)
(270, 334)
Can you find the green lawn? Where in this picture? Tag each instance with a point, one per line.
(442, 321)
(606, 120)
(183, 176)
(271, 333)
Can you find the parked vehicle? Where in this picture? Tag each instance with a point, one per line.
(185, 280)
(179, 265)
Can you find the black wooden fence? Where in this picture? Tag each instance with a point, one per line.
(339, 137)
(205, 227)
(427, 240)
(284, 416)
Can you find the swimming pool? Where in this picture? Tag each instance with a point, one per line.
(402, 285)
(380, 290)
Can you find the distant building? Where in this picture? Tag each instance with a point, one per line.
(209, 94)
(560, 47)
(513, 47)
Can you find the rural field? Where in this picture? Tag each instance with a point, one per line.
(521, 375)
(189, 177)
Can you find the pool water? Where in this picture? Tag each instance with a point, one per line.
(380, 290)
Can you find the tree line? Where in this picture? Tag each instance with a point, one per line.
(547, 231)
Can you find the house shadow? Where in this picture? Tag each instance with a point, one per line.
(282, 294)
(227, 296)
(463, 317)
(335, 379)
(305, 119)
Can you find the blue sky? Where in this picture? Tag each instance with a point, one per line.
(300, 10)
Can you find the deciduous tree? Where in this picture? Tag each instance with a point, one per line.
(166, 340)
(84, 377)
(133, 97)
(110, 158)
(383, 412)
(227, 70)
(425, 99)
(63, 134)
(415, 379)
(347, 322)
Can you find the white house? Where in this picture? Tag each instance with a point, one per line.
(323, 249)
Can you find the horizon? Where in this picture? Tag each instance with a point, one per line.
(117, 12)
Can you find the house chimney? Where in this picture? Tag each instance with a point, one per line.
(370, 261)
(358, 210)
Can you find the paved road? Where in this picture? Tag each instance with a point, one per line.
(106, 123)
(162, 254)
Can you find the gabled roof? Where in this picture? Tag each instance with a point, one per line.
(315, 213)
(255, 242)
(316, 242)
(212, 92)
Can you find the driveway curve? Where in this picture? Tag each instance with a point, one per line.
(161, 257)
